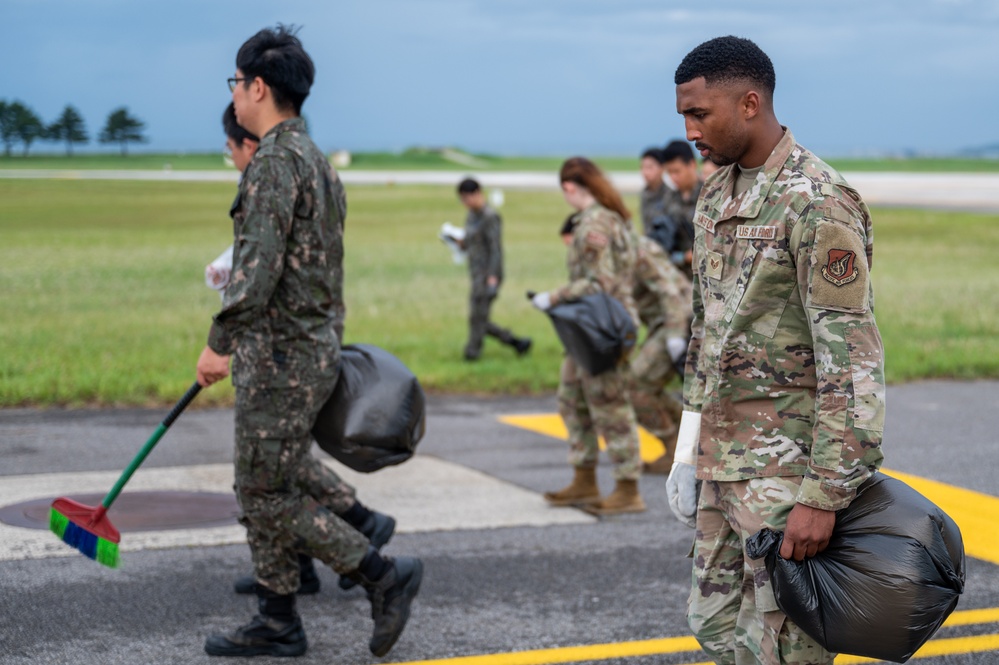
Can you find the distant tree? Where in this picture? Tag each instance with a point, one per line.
(8, 126)
(69, 128)
(27, 124)
(122, 128)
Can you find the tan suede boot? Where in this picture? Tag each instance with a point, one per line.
(624, 499)
(581, 491)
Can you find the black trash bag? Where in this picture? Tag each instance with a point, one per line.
(595, 330)
(377, 413)
(891, 575)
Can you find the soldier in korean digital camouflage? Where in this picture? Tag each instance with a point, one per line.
(601, 257)
(681, 167)
(279, 320)
(318, 480)
(784, 387)
(483, 242)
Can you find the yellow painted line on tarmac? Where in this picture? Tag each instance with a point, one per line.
(573, 654)
(671, 645)
(550, 424)
(975, 513)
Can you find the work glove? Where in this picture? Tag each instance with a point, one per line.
(681, 484)
(542, 301)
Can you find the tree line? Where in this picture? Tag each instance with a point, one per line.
(20, 124)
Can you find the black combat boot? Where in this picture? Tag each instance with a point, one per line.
(521, 345)
(376, 527)
(276, 631)
(308, 578)
(392, 584)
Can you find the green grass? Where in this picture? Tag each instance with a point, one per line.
(416, 159)
(105, 302)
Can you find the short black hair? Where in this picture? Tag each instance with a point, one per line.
(678, 150)
(727, 59)
(654, 153)
(233, 129)
(276, 55)
(469, 186)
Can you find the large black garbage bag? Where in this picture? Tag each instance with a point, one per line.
(595, 330)
(893, 571)
(377, 413)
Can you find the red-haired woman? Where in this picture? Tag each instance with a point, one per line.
(601, 257)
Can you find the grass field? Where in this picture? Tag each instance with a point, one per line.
(430, 160)
(105, 304)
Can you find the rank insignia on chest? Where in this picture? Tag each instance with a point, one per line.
(840, 268)
(713, 265)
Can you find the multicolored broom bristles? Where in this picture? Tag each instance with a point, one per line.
(99, 549)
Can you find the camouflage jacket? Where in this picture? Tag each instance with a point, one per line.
(653, 205)
(786, 363)
(681, 210)
(283, 308)
(600, 258)
(662, 293)
(484, 246)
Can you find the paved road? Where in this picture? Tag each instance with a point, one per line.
(504, 574)
(957, 191)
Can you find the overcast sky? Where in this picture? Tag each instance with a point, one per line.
(551, 77)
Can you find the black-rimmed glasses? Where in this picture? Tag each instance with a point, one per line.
(233, 81)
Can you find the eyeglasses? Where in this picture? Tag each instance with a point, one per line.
(233, 81)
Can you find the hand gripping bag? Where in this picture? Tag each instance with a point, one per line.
(891, 575)
(595, 330)
(377, 413)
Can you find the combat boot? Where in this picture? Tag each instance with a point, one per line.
(378, 529)
(624, 499)
(308, 578)
(392, 584)
(521, 345)
(276, 631)
(582, 490)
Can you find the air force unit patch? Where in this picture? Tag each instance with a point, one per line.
(840, 268)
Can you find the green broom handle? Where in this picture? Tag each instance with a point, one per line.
(150, 444)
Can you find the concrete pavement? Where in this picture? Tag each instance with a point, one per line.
(506, 575)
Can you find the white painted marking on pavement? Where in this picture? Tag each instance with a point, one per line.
(424, 494)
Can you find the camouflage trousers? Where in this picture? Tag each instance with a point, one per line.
(656, 410)
(731, 610)
(274, 466)
(479, 324)
(598, 405)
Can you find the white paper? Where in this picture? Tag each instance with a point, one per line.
(452, 236)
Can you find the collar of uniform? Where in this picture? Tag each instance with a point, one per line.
(748, 205)
(296, 124)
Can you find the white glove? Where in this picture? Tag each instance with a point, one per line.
(681, 484)
(675, 347)
(542, 301)
(217, 272)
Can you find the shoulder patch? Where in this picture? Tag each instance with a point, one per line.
(595, 239)
(840, 279)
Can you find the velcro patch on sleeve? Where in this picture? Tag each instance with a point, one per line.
(840, 279)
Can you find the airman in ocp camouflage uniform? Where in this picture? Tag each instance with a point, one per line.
(601, 257)
(784, 372)
(662, 296)
(278, 321)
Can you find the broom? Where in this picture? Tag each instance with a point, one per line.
(88, 529)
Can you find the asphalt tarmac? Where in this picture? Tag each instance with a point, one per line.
(508, 579)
